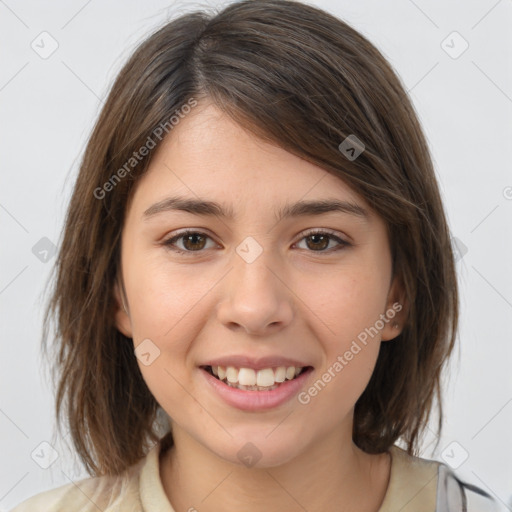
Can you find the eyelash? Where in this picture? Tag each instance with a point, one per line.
(342, 243)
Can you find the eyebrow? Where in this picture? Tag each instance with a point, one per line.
(213, 209)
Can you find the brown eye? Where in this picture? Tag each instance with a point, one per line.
(190, 241)
(318, 242)
(194, 242)
(321, 242)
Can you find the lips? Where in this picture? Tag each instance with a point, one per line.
(255, 398)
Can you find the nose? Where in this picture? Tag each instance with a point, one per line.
(255, 298)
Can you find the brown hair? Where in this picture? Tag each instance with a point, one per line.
(304, 80)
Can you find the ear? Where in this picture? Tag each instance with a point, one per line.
(122, 316)
(397, 309)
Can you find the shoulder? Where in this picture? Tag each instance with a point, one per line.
(412, 483)
(105, 493)
(423, 485)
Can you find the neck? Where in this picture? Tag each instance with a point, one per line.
(332, 475)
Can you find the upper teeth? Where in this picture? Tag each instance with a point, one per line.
(249, 377)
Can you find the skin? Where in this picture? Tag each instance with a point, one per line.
(293, 300)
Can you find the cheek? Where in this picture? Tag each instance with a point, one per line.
(167, 307)
(346, 301)
(350, 351)
(347, 305)
(164, 297)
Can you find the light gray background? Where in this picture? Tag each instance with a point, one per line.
(48, 107)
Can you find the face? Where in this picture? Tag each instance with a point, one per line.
(258, 282)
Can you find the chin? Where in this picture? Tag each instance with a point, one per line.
(256, 449)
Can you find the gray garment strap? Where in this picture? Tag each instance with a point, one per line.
(454, 495)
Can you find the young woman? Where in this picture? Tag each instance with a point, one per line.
(256, 252)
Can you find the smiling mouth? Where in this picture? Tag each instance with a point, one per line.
(248, 379)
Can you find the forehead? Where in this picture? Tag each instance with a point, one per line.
(207, 154)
